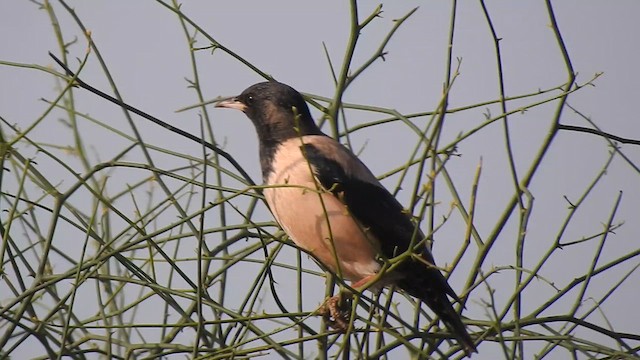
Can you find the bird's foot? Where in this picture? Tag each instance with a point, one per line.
(336, 312)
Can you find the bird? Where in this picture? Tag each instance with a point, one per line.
(333, 207)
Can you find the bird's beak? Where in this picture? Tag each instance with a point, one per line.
(232, 103)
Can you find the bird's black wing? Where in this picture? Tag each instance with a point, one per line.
(375, 208)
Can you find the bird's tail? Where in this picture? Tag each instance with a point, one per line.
(433, 290)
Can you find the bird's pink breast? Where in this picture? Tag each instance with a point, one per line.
(315, 219)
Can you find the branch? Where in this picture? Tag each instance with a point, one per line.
(600, 133)
(155, 120)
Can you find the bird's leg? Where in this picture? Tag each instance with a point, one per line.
(336, 312)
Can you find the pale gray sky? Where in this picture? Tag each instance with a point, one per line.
(146, 52)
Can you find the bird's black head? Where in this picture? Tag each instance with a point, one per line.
(277, 110)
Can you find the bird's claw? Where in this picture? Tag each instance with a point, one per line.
(336, 313)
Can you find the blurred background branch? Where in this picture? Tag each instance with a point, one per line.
(125, 239)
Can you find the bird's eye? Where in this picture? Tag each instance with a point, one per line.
(249, 100)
